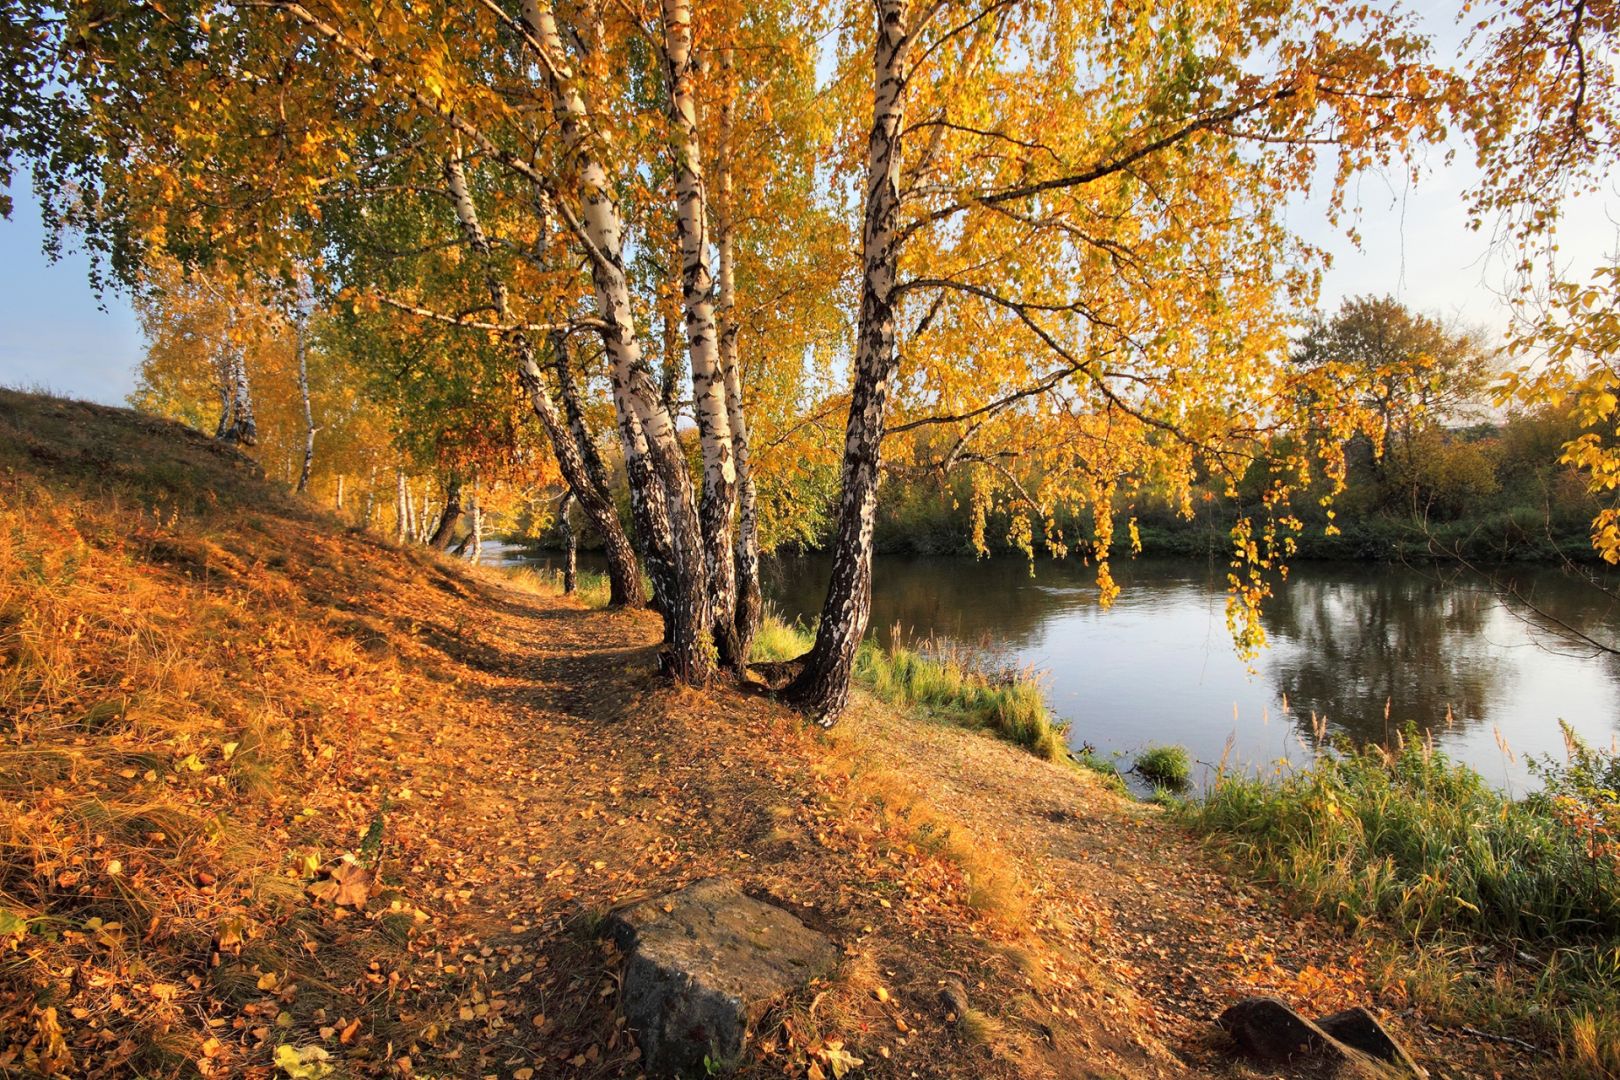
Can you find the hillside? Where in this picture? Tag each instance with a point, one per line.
(270, 785)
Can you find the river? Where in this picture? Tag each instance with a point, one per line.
(1437, 647)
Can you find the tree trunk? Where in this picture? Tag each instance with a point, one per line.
(341, 478)
(477, 555)
(402, 506)
(661, 488)
(822, 688)
(299, 347)
(570, 545)
(750, 597)
(226, 371)
(243, 430)
(574, 412)
(708, 380)
(624, 575)
(440, 540)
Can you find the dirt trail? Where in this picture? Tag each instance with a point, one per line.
(1123, 882)
(595, 784)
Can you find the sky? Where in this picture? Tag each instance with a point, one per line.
(56, 334)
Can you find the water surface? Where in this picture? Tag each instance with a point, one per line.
(1439, 648)
(1348, 642)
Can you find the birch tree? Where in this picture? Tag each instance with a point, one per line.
(1088, 208)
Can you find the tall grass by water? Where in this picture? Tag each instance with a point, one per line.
(944, 681)
(1511, 906)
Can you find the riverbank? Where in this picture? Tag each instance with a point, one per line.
(279, 798)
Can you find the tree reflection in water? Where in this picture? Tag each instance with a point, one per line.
(1345, 640)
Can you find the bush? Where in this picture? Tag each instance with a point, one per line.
(1165, 766)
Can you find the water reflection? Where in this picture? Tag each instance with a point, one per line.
(1354, 646)
(1346, 641)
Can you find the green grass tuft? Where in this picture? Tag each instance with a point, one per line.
(1165, 766)
(943, 683)
(1415, 843)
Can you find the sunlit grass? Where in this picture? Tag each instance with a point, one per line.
(591, 587)
(942, 681)
(1512, 907)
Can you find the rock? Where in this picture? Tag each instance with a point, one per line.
(1269, 1030)
(1360, 1029)
(703, 964)
(1352, 1042)
(954, 997)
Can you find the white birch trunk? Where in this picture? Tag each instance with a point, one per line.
(570, 546)
(708, 380)
(750, 599)
(225, 371)
(653, 458)
(623, 573)
(300, 348)
(243, 430)
(823, 686)
(402, 506)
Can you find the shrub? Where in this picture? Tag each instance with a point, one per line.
(1164, 766)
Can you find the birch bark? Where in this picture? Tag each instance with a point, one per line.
(402, 506)
(301, 348)
(697, 302)
(450, 518)
(659, 481)
(243, 429)
(570, 545)
(822, 688)
(225, 369)
(624, 576)
(750, 605)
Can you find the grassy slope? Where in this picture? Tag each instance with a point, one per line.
(212, 694)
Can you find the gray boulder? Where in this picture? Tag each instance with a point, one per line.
(1362, 1030)
(702, 965)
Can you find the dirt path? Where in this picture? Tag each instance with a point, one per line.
(594, 784)
(589, 784)
(1128, 886)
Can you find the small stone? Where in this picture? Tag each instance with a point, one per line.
(703, 965)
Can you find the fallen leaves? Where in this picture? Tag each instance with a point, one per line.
(345, 884)
(835, 1057)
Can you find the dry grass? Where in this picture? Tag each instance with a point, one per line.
(186, 661)
(211, 693)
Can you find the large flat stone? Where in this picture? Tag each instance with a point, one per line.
(702, 965)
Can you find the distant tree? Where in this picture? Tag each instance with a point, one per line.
(1411, 371)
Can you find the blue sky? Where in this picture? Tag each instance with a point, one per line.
(55, 334)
